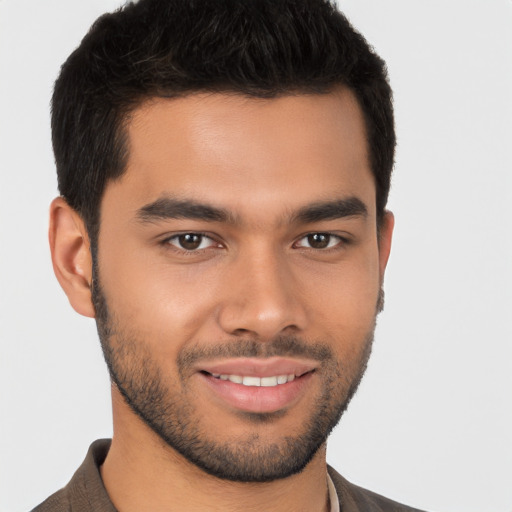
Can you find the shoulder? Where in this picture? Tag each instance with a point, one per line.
(58, 502)
(85, 491)
(356, 499)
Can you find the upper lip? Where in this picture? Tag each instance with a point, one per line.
(259, 367)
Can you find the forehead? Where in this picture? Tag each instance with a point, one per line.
(240, 152)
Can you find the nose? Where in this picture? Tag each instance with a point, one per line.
(261, 298)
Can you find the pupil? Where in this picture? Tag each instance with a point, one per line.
(319, 240)
(190, 241)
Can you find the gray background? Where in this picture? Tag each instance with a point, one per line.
(432, 422)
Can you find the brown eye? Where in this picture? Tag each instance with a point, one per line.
(319, 241)
(191, 241)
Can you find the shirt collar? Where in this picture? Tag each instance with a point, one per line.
(333, 496)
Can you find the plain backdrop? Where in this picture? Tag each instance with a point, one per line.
(432, 422)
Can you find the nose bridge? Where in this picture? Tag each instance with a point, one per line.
(262, 296)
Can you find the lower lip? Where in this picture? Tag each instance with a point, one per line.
(258, 399)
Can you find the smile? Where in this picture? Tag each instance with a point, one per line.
(250, 380)
(269, 391)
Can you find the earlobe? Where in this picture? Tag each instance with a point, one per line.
(71, 255)
(385, 237)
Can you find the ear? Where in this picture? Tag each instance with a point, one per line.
(71, 255)
(385, 237)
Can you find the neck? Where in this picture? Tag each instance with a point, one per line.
(141, 472)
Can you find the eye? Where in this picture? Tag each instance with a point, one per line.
(319, 241)
(191, 241)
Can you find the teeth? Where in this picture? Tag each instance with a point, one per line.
(251, 381)
(256, 381)
(269, 381)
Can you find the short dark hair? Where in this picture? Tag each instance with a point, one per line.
(171, 48)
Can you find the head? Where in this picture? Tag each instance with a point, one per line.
(224, 168)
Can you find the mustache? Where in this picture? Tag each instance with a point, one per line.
(282, 346)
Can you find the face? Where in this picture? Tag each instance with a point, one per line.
(238, 274)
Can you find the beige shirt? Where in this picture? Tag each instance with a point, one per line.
(333, 497)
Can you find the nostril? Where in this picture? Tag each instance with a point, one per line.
(242, 332)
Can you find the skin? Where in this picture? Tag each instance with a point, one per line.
(255, 277)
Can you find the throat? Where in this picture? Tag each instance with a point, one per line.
(158, 478)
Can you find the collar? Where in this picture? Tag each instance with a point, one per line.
(333, 496)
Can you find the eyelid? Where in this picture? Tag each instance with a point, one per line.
(167, 241)
(341, 240)
(214, 242)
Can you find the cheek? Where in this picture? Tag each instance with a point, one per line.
(344, 304)
(350, 286)
(156, 300)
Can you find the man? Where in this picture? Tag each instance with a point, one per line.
(224, 169)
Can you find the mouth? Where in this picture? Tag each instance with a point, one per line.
(255, 381)
(258, 386)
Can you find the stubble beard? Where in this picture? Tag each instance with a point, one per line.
(175, 420)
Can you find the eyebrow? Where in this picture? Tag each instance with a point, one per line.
(331, 210)
(173, 208)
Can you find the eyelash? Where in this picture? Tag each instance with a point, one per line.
(341, 241)
(167, 242)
